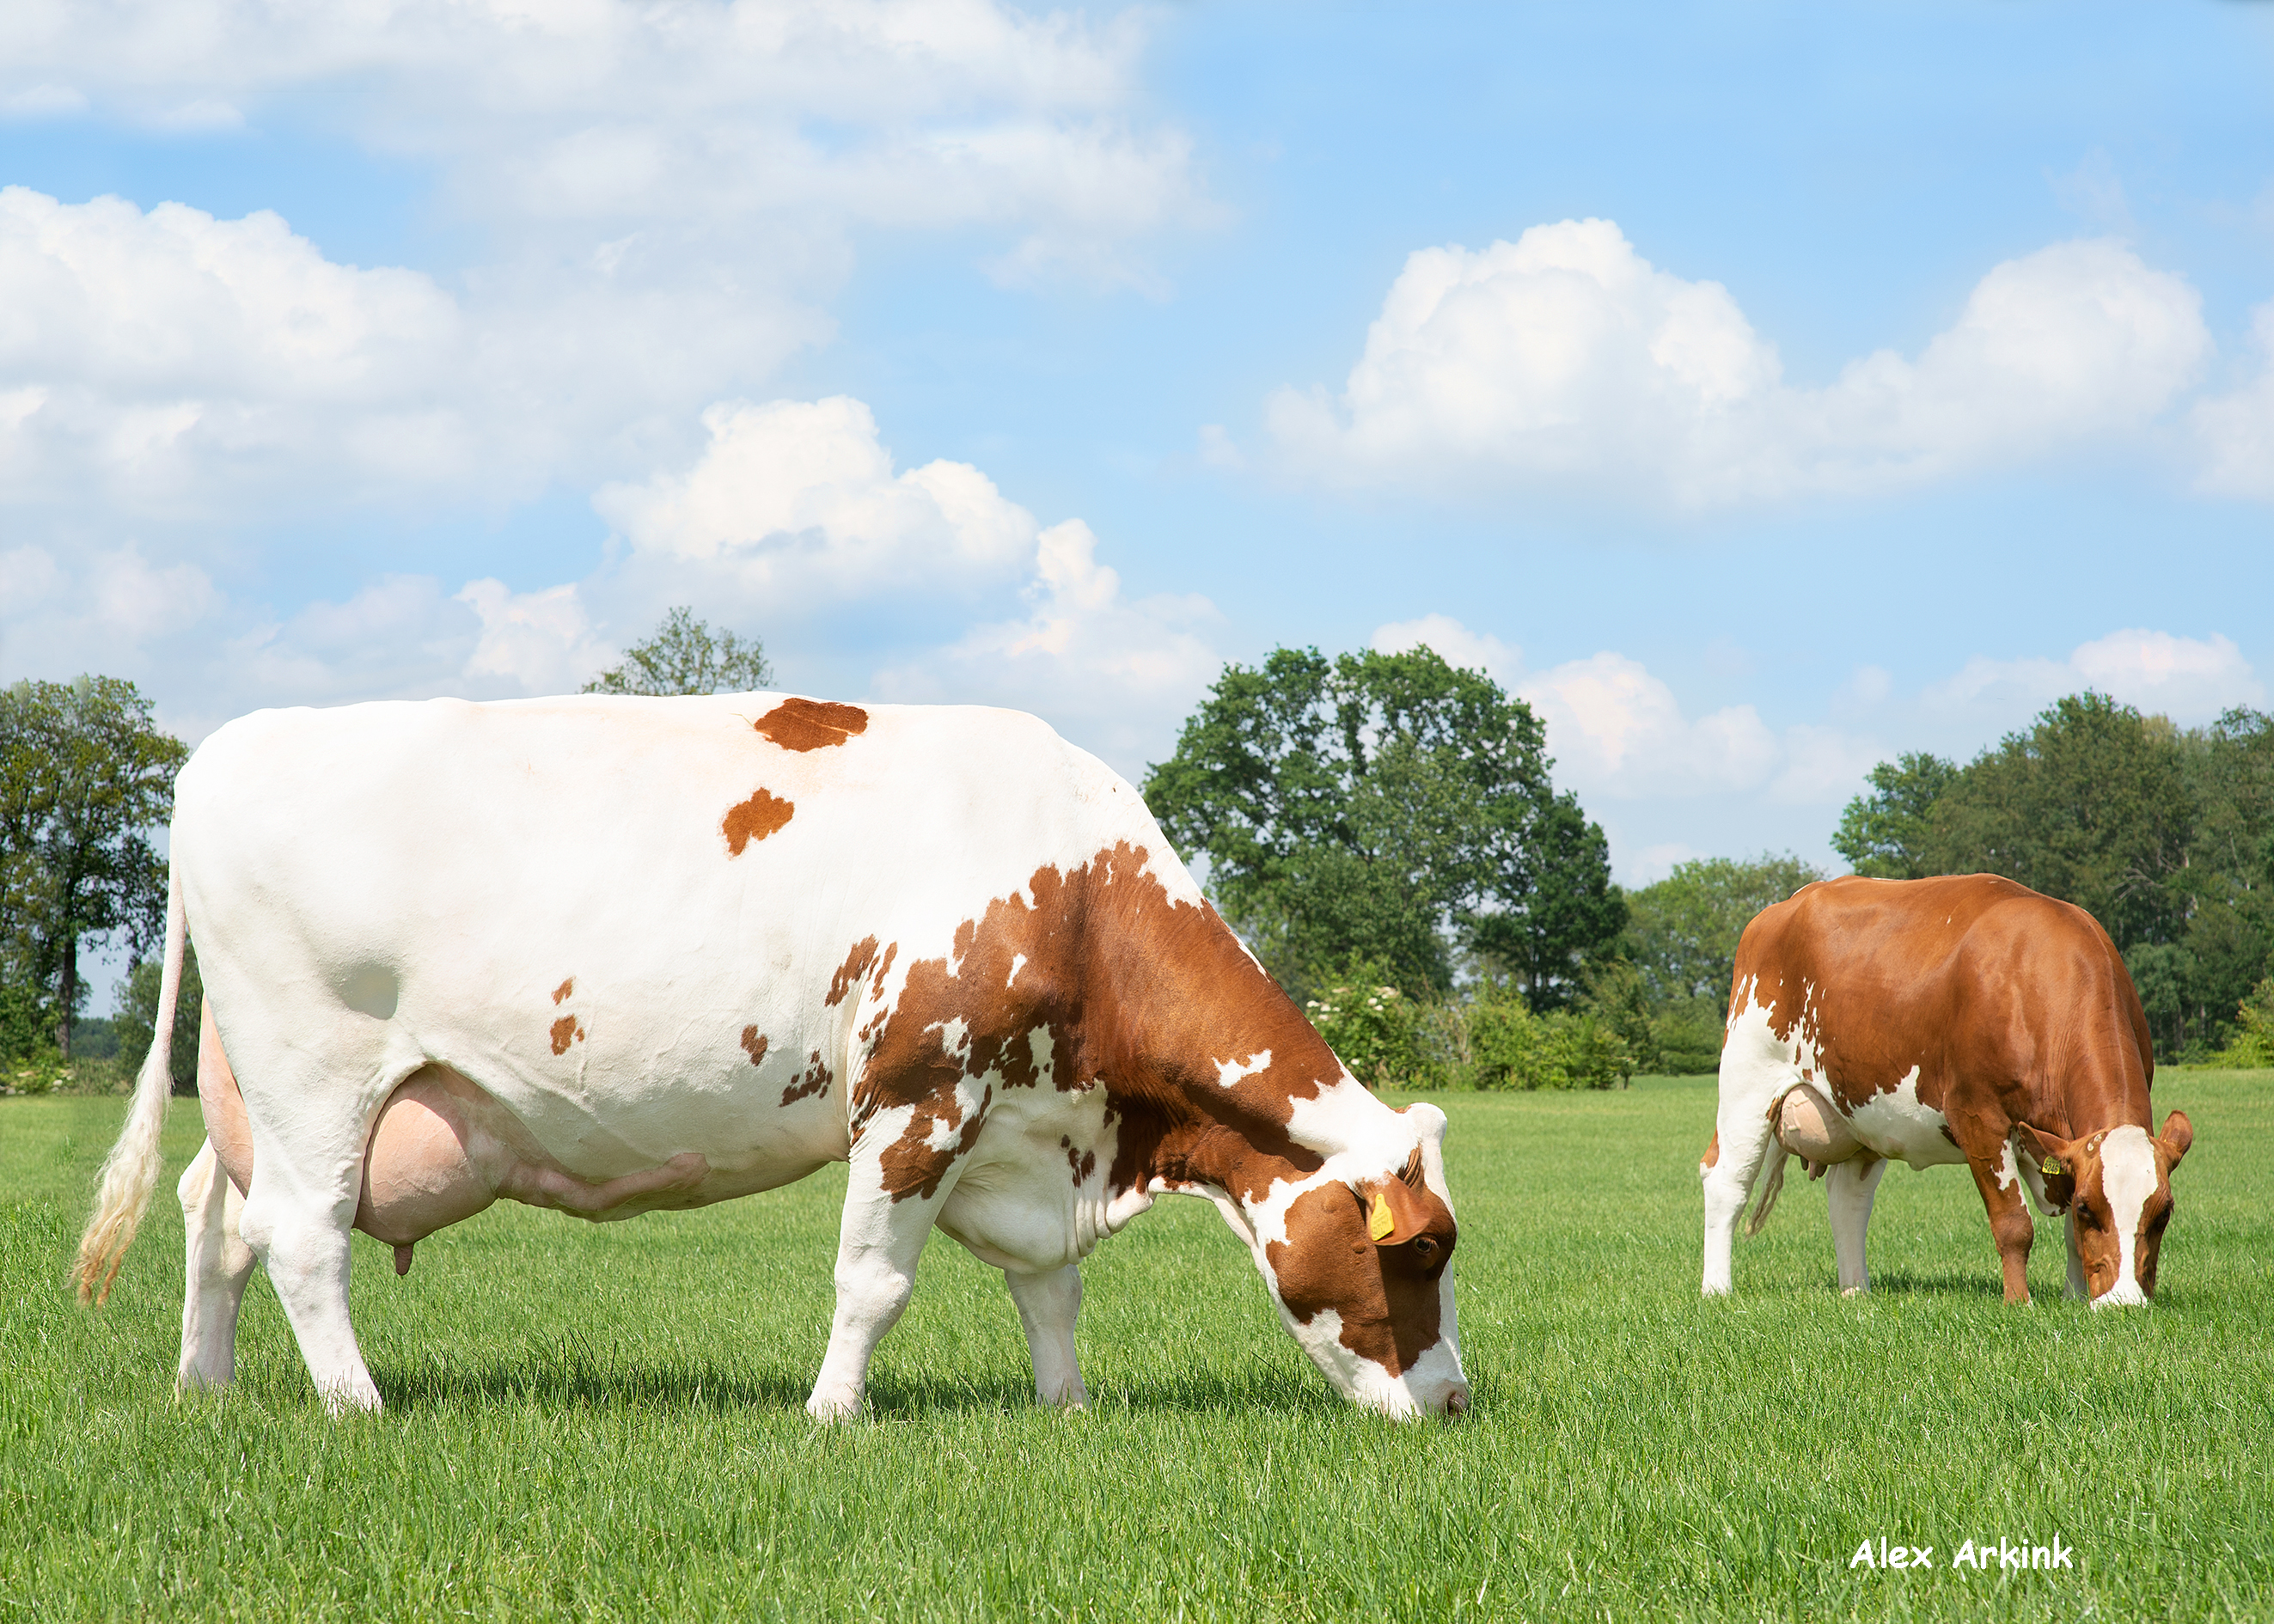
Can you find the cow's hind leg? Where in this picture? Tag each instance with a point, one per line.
(1848, 1191)
(306, 1248)
(1752, 1077)
(1048, 1305)
(220, 1266)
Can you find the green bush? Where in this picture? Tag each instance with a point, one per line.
(35, 1071)
(1511, 1048)
(1387, 1039)
(1489, 1039)
(45, 1071)
(26, 1022)
(2252, 1045)
(1688, 1037)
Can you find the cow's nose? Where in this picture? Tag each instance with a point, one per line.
(1457, 1402)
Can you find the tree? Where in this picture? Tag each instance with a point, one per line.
(686, 656)
(1572, 909)
(1682, 933)
(84, 774)
(1380, 807)
(1886, 834)
(2090, 805)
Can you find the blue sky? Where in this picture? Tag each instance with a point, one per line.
(1758, 390)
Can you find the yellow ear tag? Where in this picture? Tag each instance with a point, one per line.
(1379, 1224)
(2050, 1166)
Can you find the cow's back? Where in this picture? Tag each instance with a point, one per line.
(1939, 981)
(630, 920)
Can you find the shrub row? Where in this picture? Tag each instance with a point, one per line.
(1487, 1039)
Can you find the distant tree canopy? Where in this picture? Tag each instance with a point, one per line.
(1682, 933)
(85, 775)
(684, 656)
(2164, 836)
(1389, 807)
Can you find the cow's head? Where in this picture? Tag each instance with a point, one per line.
(1357, 1257)
(2122, 1181)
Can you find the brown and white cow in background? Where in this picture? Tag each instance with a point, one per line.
(1927, 1021)
(613, 955)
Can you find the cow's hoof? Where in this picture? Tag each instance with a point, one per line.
(832, 1408)
(1853, 1290)
(1076, 1397)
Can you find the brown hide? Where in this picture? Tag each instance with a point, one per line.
(2015, 1009)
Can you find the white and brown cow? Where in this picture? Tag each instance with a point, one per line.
(1964, 1019)
(612, 955)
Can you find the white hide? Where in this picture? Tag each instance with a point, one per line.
(2128, 1177)
(361, 914)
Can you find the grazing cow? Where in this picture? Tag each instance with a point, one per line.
(1959, 1019)
(613, 955)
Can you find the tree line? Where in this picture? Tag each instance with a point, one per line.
(2165, 835)
(1382, 831)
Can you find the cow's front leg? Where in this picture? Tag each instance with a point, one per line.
(220, 1266)
(2009, 1219)
(2078, 1291)
(1048, 1305)
(1848, 1191)
(878, 1244)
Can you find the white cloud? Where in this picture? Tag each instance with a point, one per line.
(134, 600)
(1652, 863)
(2235, 431)
(1616, 730)
(794, 516)
(541, 641)
(1618, 733)
(754, 121)
(1823, 766)
(171, 365)
(1502, 662)
(799, 501)
(1566, 359)
(28, 574)
(2189, 679)
(1110, 672)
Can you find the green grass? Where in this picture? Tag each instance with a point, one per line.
(604, 1422)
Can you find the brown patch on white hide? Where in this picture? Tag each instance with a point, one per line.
(814, 1081)
(753, 819)
(1118, 986)
(811, 723)
(1386, 1292)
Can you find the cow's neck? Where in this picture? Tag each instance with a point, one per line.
(1215, 1076)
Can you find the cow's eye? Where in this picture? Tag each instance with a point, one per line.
(1425, 1248)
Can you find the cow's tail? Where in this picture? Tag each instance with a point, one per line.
(1768, 1186)
(130, 1171)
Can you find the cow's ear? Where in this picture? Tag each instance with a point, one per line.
(1412, 1173)
(2054, 1153)
(2178, 1134)
(1394, 1214)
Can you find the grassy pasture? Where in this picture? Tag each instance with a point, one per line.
(604, 1422)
